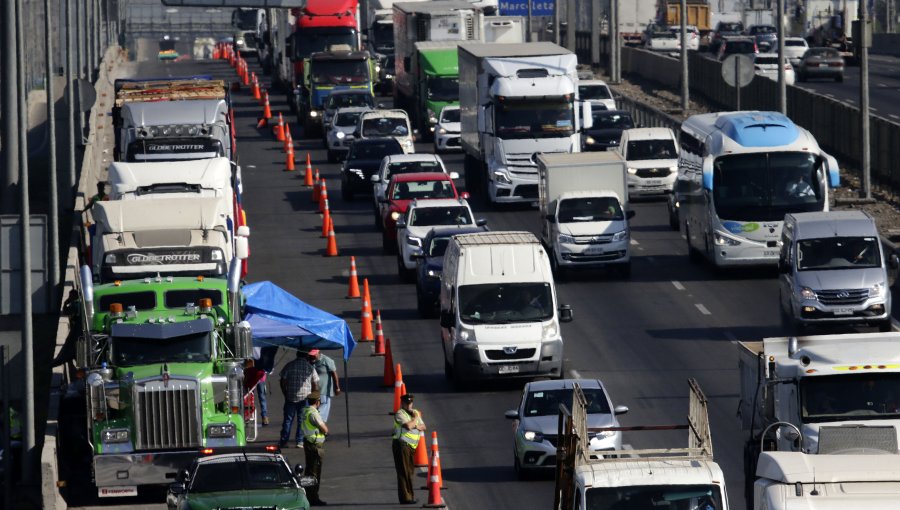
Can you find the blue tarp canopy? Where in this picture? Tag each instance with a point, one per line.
(278, 318)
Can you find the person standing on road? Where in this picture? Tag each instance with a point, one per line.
(314, 433)
(298, 379)
(408, 426)
(329, 381)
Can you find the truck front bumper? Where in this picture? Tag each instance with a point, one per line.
(472, 365)
(592, 255)
(146, 468)
(513, 186)
(872, 311)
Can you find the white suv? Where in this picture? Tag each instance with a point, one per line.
(387, 124)
(421, 217)
(651, 155)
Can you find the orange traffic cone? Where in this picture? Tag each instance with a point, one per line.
(398, 388)
(379, 333)
(388, 379)
(326, 220)
(245, 76)
(288, 139)
(279, 129)
(308, 181)
(366, 315)
(435, 469)
(421, 459)
(289, 159)
(267, 110)
(255, 87)
(317, 188)
(331, 250)
(353, 290)
(434, 484)
(379, 348)
(323, 195)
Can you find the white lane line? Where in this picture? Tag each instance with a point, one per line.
(893, 116)
(702, 309)
(677, 285)
(634, 242)
(574, 374)
(851, 101)
(251, 166)
(830, 95)
(730, 336)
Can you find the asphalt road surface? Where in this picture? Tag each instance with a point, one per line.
(643, 337)
(884, 86)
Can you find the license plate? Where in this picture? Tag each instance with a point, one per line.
(117, 492)
(770, 253)
(843, 311)
(594, 250)
(508, 369)
(654, 182)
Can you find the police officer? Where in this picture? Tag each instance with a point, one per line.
(408, 426)
(314, 432)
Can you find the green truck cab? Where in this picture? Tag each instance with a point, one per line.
(432, 83)
(163, 364)
(329, 71)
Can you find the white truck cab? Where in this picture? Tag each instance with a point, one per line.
(174, 130)
(499, 313)
(176, 179)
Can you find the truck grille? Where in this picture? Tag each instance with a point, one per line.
(167, 414)
(652, 173)
(842, 297)
(598, 239)
(501, 355)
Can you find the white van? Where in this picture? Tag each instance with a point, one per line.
(387, 124)
(651, 155)
(499, 313)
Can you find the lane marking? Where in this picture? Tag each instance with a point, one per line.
(634, 242)
(730, 336)
(702, 309)
(893, 116)
(251, 166)
(677, 285)
(574, 374)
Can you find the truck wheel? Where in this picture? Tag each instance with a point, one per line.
(751, 458)
(693, 255)
(448, 368)
(387, 246)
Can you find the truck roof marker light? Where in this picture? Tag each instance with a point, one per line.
(200, 278)
(235, 410)
(117, 283)
(207, 451)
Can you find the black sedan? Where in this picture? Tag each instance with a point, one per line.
(607, 130)
(430, 264)
(363, 160)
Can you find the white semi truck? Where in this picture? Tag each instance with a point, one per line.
(583, 200)
(789, 480)
(177, 179)
(819, 394)
(680, 477)
(516, 100)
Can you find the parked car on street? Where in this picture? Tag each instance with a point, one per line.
(821, 63)
(766, 64)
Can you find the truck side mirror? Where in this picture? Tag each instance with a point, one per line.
(243, 231)
(446, 319)
(375, 178)
(480, 222)
(565, 313)
(620, 410)
(587, 120)
(241, 247)
(550, 218)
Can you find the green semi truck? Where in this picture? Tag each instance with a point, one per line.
(432, 83)
(163, 363)
(326, 72)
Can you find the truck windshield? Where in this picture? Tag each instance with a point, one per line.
(336, 72)
(546, 402)
(385, 126)
(640, 150)
(245, 19)
(574, 210)
(862, 396)
(442, 88)
(383, 37)
(166, 45)
(672, 497)
(345, 100)
(503, 303)
(534, 119)
(764, 186)
(311, 40)
(191, 348)
(838, 253)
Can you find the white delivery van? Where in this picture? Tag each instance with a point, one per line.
(652, 158)
(499, 313)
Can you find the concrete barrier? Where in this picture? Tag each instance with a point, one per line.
(885, 44)
(657, 67)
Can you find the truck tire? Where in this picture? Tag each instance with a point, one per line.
(471, 167)
(693, 254)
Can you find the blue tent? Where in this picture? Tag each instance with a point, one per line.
(278, 318)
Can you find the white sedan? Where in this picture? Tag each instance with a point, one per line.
(339, 135)
(766, 65)
(794, 48)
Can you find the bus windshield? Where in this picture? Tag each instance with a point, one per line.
(534, 119)
(766, 186)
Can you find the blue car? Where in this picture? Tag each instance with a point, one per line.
(430, 263)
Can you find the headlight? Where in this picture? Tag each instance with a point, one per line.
(442, 131)
(216, 255)
(502, 178)
(876, 290)
(466, 335)
(340, 135)
(531, 435)
(632, 171)
(220, 430)
(722, 240)
(110, 258)
(605, 434)
(432, 118)
(590, 140)
(116, 436)
(395, 215)
(408, 143)
(620, 236)
(673, 169)
(549, 332)
(566, 239)
(807, 293)
(313, 114)
(414, 241)
(433, 273)
(357, 171)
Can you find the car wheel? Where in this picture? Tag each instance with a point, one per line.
(517, 468)
(459, 383)
(346, 192)
(387, 245)
(332, 157)
(673, 218)
(402, 272)
(558, 272)
(885, 326)
(839, 79)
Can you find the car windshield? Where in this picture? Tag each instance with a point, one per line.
(411, 167)
(437, 247)
(862, 396)
(733, 47)
(409, 190)
(764, 29)
(339, 71)
(640, 150)
(794, 42)
(347, 119)
(546, 402)
(191, 348)
(503, 303)
(575, 210)
(443, 88)
(655, 497)
(765, 186)
(311, 41)
(534, 119)
(348, 100)
(385, 126)
(439, 216)
(271, 474)
(450, 115)
(838, 253)
(588, 92)
(216, 476)
(605, 120)
(663, 35)
(375, 150)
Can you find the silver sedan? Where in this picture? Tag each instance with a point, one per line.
(821, 63)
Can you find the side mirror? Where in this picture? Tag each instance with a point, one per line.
(454, 175)
(620, 410)
(550, 218)
(375, 178)
(512, 414)
(565, 313)
(587, 119)
(308, 481)
(894, 261)
(298, 470)
(629, 214)
(464, 195)
(480, 222)
(243, 231)
(401, 223)
(177, 488)
(241, 247)
(447, 319)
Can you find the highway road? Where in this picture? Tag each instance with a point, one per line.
(643, 337)
(884, 86)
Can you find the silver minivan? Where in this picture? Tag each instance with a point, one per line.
(833, 271)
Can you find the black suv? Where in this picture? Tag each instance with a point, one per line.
(724, 29)
(362, 161)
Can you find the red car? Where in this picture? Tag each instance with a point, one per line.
(403, 189)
